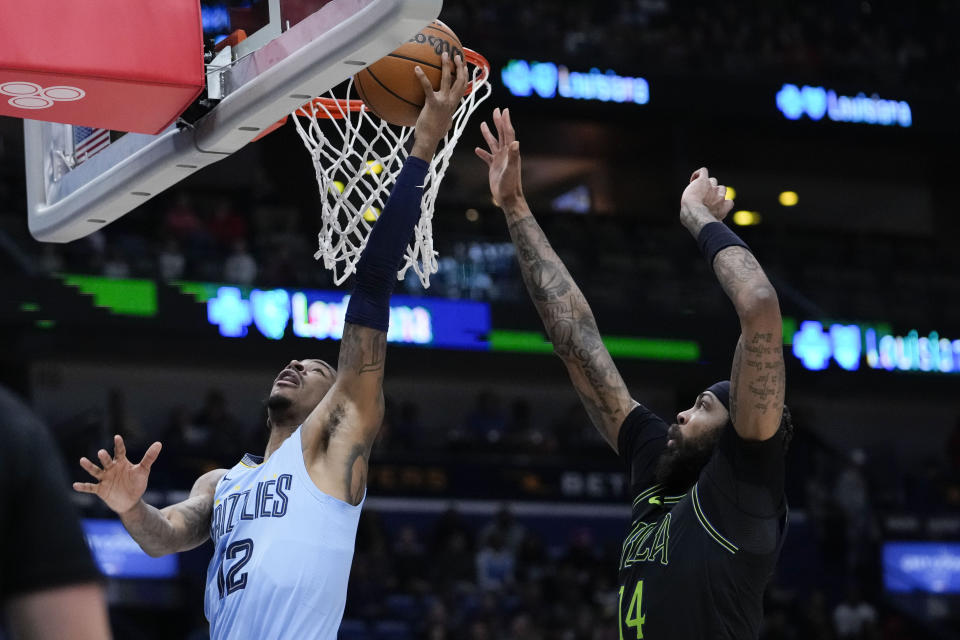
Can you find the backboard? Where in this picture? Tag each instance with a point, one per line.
(301, 52)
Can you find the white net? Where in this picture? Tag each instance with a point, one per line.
(357, 158)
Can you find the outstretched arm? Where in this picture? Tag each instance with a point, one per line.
(566, 315)
(339, 434)
(757, 378)
(121, 484)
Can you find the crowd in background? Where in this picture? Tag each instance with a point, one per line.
(449, 578)
(872, 43)
(829, 483)
(869, 277)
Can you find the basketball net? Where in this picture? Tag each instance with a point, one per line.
(357, 158)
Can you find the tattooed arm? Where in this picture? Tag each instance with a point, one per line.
(565, 313)
(757, 378)
(179, 527)
(121, 484)
(338, 435)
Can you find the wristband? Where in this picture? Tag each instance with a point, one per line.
(715, 237)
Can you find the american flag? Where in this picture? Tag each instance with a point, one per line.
(87, 142)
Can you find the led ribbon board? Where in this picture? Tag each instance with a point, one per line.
(549, 80)
(852, 345)
(119, 556)
(451, 324)
(816, 102)
(931, 567)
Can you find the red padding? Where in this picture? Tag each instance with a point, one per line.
(127, 65)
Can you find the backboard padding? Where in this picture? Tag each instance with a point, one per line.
(319, 52)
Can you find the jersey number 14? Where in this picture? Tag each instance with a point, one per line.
(634, 618)
(233, 580)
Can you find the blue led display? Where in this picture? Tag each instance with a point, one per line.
(549, 80)
(851, 346)
(816, 102)
(320, 315)
(930, 567)
(215, 18)
(229, 311)
(119, 556)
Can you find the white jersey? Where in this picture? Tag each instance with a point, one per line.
(282, 551)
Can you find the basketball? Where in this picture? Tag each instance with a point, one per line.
(389, 87)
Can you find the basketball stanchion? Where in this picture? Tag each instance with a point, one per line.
(357, 157)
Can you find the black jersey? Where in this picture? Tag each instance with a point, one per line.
(41, 543)
(695, 565)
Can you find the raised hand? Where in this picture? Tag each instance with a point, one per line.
(440, 106)
(121, 483)
(707, 192)
(503, 160)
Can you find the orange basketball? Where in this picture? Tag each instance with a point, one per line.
(390, 88)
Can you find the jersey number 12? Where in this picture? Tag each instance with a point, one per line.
(635, 618)
(227, 584)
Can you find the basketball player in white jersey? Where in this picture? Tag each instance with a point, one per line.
(284, 524)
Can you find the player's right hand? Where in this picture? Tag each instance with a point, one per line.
(121, 483)
(707, 192)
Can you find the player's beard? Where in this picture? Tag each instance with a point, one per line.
(279, 408)
(679, 468)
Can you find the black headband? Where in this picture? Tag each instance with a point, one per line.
(722, 391)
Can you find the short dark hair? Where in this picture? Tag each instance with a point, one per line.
(786, 423)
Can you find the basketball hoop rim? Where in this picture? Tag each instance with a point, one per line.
(337, 108)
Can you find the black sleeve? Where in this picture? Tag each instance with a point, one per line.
(642, 438)
(741, 490)
(41, 542)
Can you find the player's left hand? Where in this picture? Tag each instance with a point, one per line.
(438, 109)
(502, 160)
(706, 192)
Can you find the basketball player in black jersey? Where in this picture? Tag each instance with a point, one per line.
(709, 512)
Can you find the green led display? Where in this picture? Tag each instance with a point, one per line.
(122, 297)
(619, 346)
(200, 291)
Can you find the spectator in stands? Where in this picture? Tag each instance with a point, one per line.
(408, 428)
(366, 593)
(226, 226)
(51, 260)
(115, 265)
(448, 525)
(504, 525)
(814, 618)
(222, 430)
(532, 558)
(522, 628)
(851, 495)
(279, 267)
(409, 559)
(436, 625)
(119, 419)
(454, 567)
(496, 564)
(486, 423)
(171, 263)
(189, 444)
(240, 267)
(519, 424)
(854, 618)
(181, 220)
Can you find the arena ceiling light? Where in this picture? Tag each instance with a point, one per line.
(745, 218)
(789, 198)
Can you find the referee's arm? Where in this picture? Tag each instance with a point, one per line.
(566, 315)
